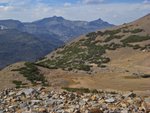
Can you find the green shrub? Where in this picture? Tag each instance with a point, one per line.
(92, 35)
(74, 57)
(111, 32)
(135, 38)
(94, 91)
(103, 66)
(132, 31)
(136, 31)
(113, 46)
(136, 46)
(126, 31)
(99, 33)
(32, 73)
(145, 76)
(82, 90)
(105, 60)
(17, 82)
(84, 67)
(111, 37)
(70, 69)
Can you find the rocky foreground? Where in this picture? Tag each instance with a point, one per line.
(42, 100)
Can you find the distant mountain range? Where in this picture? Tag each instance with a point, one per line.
(64, 29)
(29, 41)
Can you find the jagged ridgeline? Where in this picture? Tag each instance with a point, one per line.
(89, 52)
(30, 41)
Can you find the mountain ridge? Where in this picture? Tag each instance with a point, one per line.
(52, 32)
(55, 25)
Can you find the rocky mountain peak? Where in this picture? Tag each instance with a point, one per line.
(99, 22)
(50, 19)
(57, 18)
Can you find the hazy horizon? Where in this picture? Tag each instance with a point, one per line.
(112, 11)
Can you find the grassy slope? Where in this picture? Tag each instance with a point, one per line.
(125, 60)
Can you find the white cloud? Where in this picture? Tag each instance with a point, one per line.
(92, 1)
(146, 1)
(5, 8)
(113, 13)
(116, 13)
(67, 4)
(5, 1)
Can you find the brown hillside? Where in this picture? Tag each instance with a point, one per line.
(85, 61)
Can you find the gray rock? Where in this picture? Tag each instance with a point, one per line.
(86, 99)
(55, 96)
(81, 103)
(96, 105)
(146, 105)
(11, 93)
(26, 112)
(50, 102)
(60, 111)
(77, 106)
(28, 91)
(124, 111)
(147, 100)
(35, 101)
(110, 100)
(23, 105)
(60, 102)
(130, 94)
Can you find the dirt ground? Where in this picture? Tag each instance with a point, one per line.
(117, 76)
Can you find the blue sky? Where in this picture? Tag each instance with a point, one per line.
(96, 1)
(113, 11)
(61, 2)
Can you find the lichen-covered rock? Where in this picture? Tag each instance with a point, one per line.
(42, 100)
